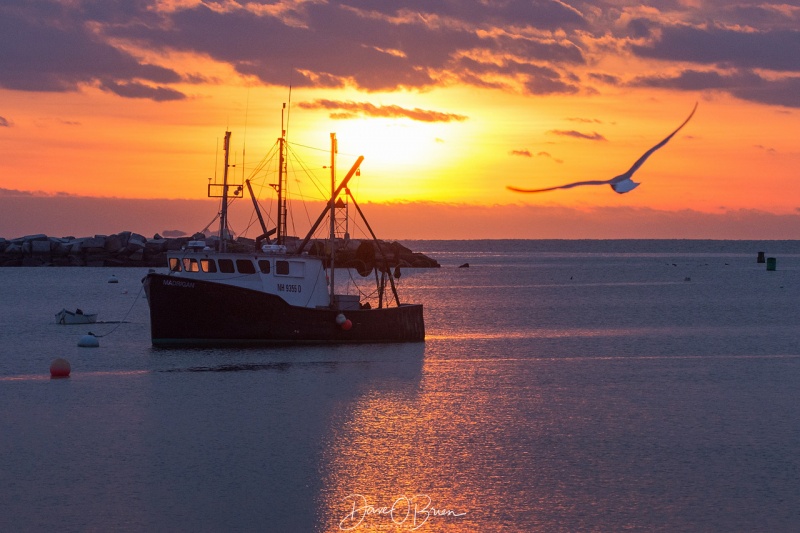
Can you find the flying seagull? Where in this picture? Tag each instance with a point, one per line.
(622, 183)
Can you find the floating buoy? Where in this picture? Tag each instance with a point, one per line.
(347, 324)
(89, 341)
(340, 319)
(113, 279)
(59, 368)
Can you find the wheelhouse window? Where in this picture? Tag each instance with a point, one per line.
(226, 266)
(282, 268)
(190, 264)
(295, 269)
(245, 266)
(208, 265)
(263, 266)
(174, 264)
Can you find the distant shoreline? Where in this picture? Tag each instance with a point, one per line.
(129, 249)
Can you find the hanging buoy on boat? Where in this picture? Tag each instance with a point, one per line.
(347, 324)
(340, 319)
(59, 368)
(89, 341)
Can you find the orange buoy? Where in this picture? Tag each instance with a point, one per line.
(60, 368)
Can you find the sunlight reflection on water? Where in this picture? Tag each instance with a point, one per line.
(624, 398)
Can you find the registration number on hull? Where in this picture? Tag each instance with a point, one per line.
(283, 287)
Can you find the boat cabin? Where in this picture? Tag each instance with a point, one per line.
(299, 280)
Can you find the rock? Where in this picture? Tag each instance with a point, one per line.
(40, 247)
(93, 244)
(113, 243)
(132, 249)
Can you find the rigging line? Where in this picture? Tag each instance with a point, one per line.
(209, 224)
(244, 137)
(327, 150)
(135, 299)
(309, 174)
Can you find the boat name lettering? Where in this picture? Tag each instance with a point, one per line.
(177, 283)
(282, 287)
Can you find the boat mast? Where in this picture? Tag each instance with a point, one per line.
(282, 182)
(223, 217)
(333, 212)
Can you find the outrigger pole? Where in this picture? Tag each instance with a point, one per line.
(341, 186)
(378, 244)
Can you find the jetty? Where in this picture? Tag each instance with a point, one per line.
(129, 249)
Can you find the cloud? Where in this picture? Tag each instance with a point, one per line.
(540, 47)
(578, 135)
(354, 109)
(63, 46)
(746, 85)
(548, 155)
(4, 123)
(50, 47)
(585, 120)
(139, 90)
(12, 193)
(777, 50)
(766, 148)
(521, 153)
(79, 216)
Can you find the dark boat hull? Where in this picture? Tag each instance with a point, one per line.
(186, 312)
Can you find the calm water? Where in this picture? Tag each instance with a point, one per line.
(563, 386)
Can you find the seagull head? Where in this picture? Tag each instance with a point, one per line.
(624, 186)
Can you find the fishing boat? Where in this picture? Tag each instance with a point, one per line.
(69, 318)
(283, 290)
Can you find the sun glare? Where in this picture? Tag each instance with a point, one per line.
(394, 151)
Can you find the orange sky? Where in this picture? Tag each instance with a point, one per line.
(448, 108)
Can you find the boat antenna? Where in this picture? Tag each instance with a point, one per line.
(288, 111)
(244, 139)
(223, 217)
(216, 160)
(281, 215)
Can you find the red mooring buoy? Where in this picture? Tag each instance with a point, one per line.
(60, 368)
(347, 324)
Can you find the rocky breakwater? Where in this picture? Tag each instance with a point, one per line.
(121, 249)
(132, 249)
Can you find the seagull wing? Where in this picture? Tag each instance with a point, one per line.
(567, 186)
(648, 153)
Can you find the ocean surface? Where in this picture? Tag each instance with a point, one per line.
(563, 386)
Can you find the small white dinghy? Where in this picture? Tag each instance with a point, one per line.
(68, 318)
